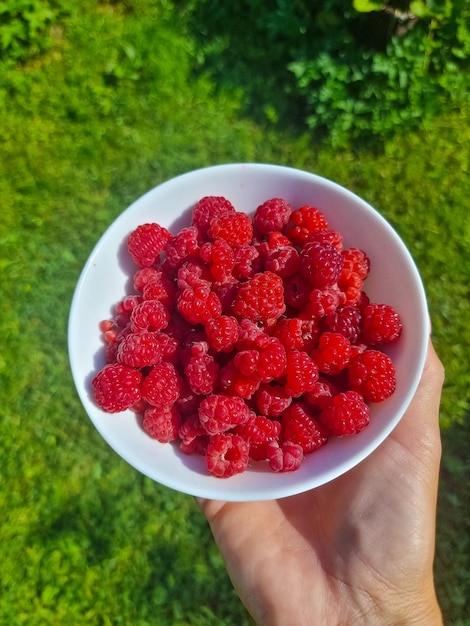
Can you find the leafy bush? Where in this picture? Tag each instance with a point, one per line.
(25, 27)
(357, 75)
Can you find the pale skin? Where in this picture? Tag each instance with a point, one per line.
(358, 550)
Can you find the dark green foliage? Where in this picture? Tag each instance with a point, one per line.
(108, 108)
(349, 76)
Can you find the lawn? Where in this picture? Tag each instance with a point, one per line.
(109, 107)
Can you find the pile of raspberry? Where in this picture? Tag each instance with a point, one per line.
(247, 338)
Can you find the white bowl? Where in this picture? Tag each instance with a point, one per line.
(105, 278)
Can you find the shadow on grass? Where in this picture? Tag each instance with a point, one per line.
(452, 568)
(245, 54)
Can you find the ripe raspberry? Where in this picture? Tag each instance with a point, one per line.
(250, 336)
(235, 227)
(272, 399)
(219, 413)
(149, 315)
(350, 284)
(202, 372)
(285, 458)
(192, 272)
(199, 304)
(246, 262)
(246, 362)
(162, 424)
(321, 394)
(124, 308)
(190, 430)
(205, 210)
(283, 261)
(347, 414)
(297, 334)
(333, 237)
(305, 221)
(227, 455)
(234, 383)
(222, 333)
(302, 373)
(272, 360)
(146, 275)
(300, 426)
(155, 290)
(381, 324)
(182, 247)
(139, 350)
(273, 214)
(117, 387)
(333, 353)
(346, 321)
(372, 374)
(322, 302)
(320, 264)
(261, 299)
(162, 385)
(258, 430)
(146, 243)
(357, 261)
(219, 257)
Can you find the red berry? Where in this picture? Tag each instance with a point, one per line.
(347, 414)
(322, 302)
(182, 247)
(333, 237)
(272, 215)
(117, 387)
(272, 399)
(139, 350)
(162, 423)
(321, 394)
(302, 373)
(234, 227)
(286, 457)
(220, 259)
(346, 321)
(259, 430)
(247, 262)
(146, 243)
(218, 413)
(162, 385)
(300, 426)
(333, 353)
(199, 304)
(149, 315)
(381, 324)
(357, 261)
(206, 209)
(372, 374)
(305, 221)
(283, 261)
(227, 455)
(222, 333)
(234, 383)
(272, 361)
(202, 372)
(261, 299)
(320, 264)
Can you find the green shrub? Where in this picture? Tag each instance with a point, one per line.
(25, 27)
(354, 75)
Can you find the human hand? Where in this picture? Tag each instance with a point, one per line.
(358, 550)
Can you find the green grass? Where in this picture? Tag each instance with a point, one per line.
(111, 109)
